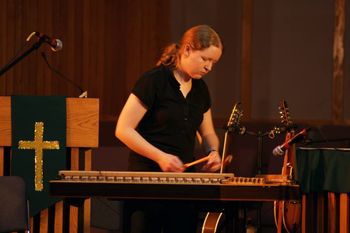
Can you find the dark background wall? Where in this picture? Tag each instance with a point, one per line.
(274, 50)
(107, 44)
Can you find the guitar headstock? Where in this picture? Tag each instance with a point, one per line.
(235, 117)
(284, 114)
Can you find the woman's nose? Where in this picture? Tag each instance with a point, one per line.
(208, 67)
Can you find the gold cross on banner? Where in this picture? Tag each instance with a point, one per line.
(38, 145)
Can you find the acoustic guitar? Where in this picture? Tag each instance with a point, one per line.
(287, 213)
(213, 220)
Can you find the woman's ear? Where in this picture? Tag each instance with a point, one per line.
(187, 50)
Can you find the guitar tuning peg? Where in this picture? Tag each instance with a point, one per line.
(242, 130)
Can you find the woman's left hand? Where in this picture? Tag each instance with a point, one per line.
(214, 162)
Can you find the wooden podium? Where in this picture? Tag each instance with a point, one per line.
(82, 133)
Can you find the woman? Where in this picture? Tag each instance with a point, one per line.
(166, 108)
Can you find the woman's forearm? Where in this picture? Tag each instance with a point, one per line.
(132, 139)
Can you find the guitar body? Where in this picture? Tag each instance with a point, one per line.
(212, 222)
(290, 211)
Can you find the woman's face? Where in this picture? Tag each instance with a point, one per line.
(197, 63)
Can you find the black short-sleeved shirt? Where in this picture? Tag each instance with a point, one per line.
(171, 120)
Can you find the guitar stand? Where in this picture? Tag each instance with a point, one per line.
(260, 136)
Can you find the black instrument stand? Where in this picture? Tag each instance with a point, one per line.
(260, 136)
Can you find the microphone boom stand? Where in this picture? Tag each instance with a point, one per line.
(35, 46)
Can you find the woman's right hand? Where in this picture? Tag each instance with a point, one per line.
(170, 163)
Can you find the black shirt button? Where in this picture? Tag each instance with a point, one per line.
(185, 118)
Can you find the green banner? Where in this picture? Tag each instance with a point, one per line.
(323, 169)
(38, 145)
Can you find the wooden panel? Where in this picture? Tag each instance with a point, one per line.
(303, 213)
(332, 210)
(5, 121)
(246, 57)
(74, 210)
(316, 215)
(338, 62)
(106, 46)
(82, 122)
(320, 212)
(44, 221)
(58, 217)
(344, 213)
(87, 202)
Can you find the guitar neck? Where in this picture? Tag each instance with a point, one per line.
(288, 161)
(224, 152)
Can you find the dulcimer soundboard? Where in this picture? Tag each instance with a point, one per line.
(172, 186)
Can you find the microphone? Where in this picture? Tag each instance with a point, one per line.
(55, 44)
(279, 150)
